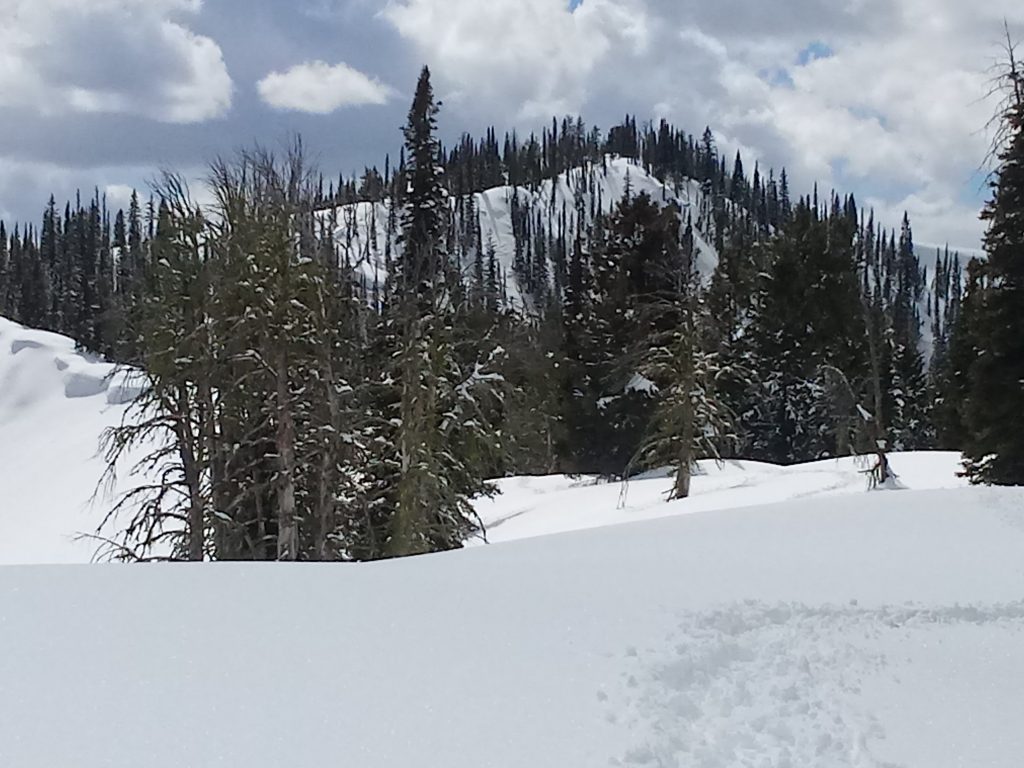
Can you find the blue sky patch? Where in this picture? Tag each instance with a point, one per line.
(778, 77)
(813, 52)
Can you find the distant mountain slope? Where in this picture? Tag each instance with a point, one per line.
(363, 236)
(366, 233)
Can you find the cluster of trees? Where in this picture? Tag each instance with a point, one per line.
(286, 416)
(984, 374)
(79, 273)
(324, 386)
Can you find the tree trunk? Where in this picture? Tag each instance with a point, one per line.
(193, 480)
(287, 525)
(684, 471)
(403, 525)
(879, 432)
(326, 503)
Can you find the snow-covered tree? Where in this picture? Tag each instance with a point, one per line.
(995, 395)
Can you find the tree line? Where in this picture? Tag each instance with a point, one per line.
(310, 400)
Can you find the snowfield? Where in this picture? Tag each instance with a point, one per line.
(537, 506)
(779, 618)
(54, 404)
(880, 629)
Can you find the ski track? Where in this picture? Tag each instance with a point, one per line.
(778, 686)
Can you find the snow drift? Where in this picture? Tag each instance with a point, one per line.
(54, 404)
(864, 631)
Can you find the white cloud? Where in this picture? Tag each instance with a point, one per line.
(536, 55)
(897, 106)
(320, 88)
(110, 56)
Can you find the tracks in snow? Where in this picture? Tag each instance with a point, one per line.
(779, 686)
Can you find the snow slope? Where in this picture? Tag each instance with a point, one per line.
(361, 229)
(54, 404)
(867, 630)
(536, 506)
(834, 628)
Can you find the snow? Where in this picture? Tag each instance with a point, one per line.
(361, 228)
(780, 617)
(640, 383)
(859, 630)
(539, 506)
(54, 404)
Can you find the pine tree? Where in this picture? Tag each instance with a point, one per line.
(807, 319)
(438, 438)
(168, 511)
(995, 397)
(6, 300)
(689, 419)
(953, 385)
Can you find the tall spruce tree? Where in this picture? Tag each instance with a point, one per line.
(995, 395)
(437, 434)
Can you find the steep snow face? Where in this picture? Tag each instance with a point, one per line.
(364, 237)
(54, 404)
(867, 631)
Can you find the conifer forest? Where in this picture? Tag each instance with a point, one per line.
(335, 368)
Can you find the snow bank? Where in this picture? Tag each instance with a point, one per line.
(54, 404)
(540, 506)
(865, 631)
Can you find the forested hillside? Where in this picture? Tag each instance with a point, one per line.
(338, 367)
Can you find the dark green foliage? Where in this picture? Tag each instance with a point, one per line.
(807, 318)
(323, 410)
(993, 318)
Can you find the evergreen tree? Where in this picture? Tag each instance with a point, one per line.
(169, 510)
(807, 319)
(689, 419)
(436, 435)
(995, 397)
(6, 302)
(953, 385)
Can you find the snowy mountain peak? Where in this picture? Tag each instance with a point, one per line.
(512, 218)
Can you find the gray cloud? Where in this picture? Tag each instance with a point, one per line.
(894, 114)
(125, 57)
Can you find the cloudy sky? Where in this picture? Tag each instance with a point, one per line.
(884, 98)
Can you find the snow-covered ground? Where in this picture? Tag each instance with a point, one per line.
(537, 506)
(54, 405)
(781, 617)
(867, 630)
